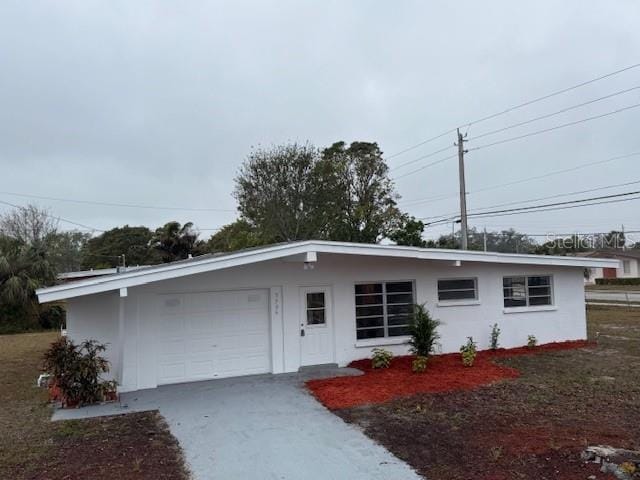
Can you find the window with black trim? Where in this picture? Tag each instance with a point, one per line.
(316, 309)
(455, 289)
(527, 291)
(382, 309)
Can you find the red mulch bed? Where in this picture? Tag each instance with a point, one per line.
(444, 373)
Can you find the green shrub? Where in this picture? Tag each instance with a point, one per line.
(52, 317)
(468, 351)
(423, 330)
(77, 370)
(532, 341)
(618, 281)
(381, 358)
(419, 364)
(495, 334)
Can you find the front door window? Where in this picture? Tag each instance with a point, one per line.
(316, 308)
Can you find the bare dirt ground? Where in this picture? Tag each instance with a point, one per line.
(532, 427)
(134, 446)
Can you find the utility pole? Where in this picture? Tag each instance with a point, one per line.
(463, 191)
(485, 239)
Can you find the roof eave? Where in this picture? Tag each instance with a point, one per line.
(177, 270)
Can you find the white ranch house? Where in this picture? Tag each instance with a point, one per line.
(277, 308)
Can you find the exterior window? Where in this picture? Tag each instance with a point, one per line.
(382, 309)
(457, 289)
(527, 291)
(316, 309)
(626, 266)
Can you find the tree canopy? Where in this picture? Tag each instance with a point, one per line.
(106, 250)
(295, 192)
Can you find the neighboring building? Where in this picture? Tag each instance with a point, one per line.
(66, 277)
(277, 308)
(629, 266)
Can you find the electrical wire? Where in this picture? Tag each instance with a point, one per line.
(109, 204)
(558, 112)
(557, 127)
(515, 107)
(558, 195)
(55, 217)
(522, 180)
(535, 208)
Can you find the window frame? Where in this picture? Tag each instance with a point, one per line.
(308, 309)
(385, 314)
(528, 305)
(458, 301)
(626, 267)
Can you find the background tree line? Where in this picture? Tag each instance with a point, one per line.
(284, 193)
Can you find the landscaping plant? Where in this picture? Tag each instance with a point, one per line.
(381, 358)
(532, 341)
(495, 334)
(423, 330)
(419, 364)
(468, 351)
(77, 371)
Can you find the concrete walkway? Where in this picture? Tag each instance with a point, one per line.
(264, 427)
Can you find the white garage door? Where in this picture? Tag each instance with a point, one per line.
(213, 335)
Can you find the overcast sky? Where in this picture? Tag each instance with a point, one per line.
(158, 103)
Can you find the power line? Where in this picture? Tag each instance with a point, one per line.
(109, 204)
(55, 217)
(558, 112)
(557, 127)
(534, 208)
(522, 180)
(426, 166)
(515, 107)
(428, 155)
(520, 137)
(520, 124)
(559, 195)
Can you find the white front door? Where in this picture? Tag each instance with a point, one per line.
(316, 326)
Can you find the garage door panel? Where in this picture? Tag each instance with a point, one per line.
(212, 335)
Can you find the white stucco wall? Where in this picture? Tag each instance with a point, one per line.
(564, 321)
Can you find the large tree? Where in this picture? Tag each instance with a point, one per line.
(235, 236)
(23, 269)
(106, 250)
(364, 194)
(293, 192)
(29, 225)
(281, 191)
(409, 232)
(176, 242)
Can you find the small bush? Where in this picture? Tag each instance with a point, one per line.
(618, 281)
(532, 341)
(495, 335)
(419, 364)
(381, 358)
(52, 317)
(423, 331)
(77, 370)
(468, 351)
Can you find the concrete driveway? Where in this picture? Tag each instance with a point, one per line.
(263, 427)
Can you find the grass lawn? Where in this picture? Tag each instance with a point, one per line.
(532, 427)
(133, 446)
